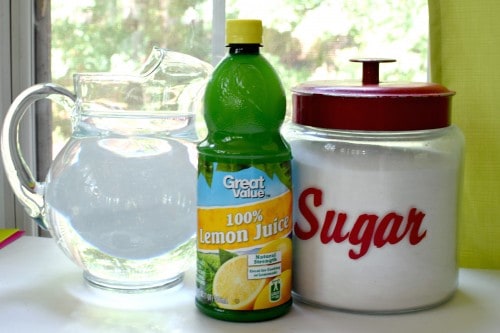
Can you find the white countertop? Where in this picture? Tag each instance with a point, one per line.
(43, 291)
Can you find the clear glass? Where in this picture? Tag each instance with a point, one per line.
(375, 217)
(120, 197)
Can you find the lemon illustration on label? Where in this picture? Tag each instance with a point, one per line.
(234, 290)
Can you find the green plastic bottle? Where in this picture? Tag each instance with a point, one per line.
(244, 246)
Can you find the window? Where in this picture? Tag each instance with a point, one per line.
(16, 73)
(305, 40)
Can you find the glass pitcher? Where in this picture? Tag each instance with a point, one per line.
(120, 197)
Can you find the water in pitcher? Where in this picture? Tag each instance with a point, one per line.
(124, 207)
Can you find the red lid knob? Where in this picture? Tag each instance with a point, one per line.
(371, 68)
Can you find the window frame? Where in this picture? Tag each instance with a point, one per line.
(17, 72)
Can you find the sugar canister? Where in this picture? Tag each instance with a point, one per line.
(377, 172)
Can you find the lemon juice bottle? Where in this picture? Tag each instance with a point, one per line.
(244, 247)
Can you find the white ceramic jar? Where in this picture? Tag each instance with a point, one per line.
(377, 171)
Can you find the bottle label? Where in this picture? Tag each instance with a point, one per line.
(244, 253)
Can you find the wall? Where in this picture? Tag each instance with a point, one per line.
(465, 57)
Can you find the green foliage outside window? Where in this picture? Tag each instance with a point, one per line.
(311, 39)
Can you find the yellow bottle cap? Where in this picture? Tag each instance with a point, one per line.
(243, 32)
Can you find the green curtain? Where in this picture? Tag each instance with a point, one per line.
(465, 57)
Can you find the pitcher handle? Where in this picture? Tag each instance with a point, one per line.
(24, 185)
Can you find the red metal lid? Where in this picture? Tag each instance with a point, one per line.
(371, 105)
